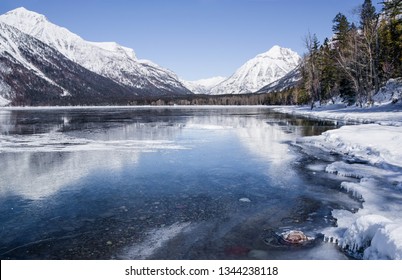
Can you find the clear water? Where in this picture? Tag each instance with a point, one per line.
(161, 183)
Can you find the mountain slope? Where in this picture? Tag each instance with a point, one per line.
(260, 71)
(288, 81)
(203, 86)
(107, 59)
(33, 73)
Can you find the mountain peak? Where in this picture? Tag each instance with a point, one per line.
(108, 59)
(36, 25)
(277, 52)
(26, 15)
(259, 71)
(275, 49)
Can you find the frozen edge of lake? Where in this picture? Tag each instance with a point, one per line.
(375, 231)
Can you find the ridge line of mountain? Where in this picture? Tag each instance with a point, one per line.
(125, 78)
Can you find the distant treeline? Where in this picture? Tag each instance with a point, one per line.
(288, 97)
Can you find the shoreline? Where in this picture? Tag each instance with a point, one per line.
(371, 153)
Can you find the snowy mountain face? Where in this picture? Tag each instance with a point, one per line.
(107, 59)
(203, 86)
(260, 71)
(33, 73)
(290, 80)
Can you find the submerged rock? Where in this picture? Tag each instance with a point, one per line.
(290, 238)
(295, 237)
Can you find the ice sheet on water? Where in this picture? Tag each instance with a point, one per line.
(154, 240)
(57, 141)
(207, 126)
(52, 172)
(80, 157)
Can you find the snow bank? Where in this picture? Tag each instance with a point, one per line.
(387, 114)
(386, 108)
(362, 231)
(3, 101)
(372, 155)
(370, 142)
(390, 93)
(386, 243)
(375, 231)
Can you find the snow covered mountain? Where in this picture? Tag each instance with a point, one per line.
(203, 86)
(260, 71)
(290, 80)
(107, 59)
(33, 73)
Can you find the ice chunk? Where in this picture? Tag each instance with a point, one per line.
(358, 237)
(386, 243)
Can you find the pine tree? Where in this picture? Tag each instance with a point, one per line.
(329, 73)
(345, 57)
(358, 59)
(392, 8)
(391, 37)
(341, 27)
(367, 15)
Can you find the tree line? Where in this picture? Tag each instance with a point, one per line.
(358, 59)
(286, 97)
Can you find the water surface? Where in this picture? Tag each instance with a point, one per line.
(161, 183)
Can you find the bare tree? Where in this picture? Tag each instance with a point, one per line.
(311, 68)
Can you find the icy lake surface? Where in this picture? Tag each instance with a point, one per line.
(162, 183)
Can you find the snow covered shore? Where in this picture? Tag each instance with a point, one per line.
(386, 108)
(371, 153)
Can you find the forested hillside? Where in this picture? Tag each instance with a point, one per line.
(358, 59)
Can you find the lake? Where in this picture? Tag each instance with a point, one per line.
(162, 183)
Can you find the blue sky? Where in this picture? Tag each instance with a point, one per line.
(194, 38)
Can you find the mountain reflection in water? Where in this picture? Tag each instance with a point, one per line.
(159, 183)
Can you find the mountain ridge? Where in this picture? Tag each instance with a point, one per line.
(33, 73)
(124, 76)
(203, 86)
(108, 59)
(290, 80)
(259, 71)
